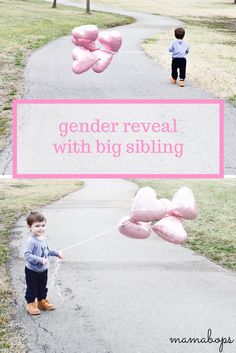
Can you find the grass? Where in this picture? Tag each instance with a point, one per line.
(209, 8)
(211, 33)
(212, 234)
(211, 61)
(26, 25)
(17, 198)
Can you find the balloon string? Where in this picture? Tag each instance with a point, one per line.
(87, 240)
(54, 278)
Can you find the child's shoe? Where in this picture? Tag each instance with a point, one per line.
(32, 309)
(45, 305)
(181, 83)
(173, 81)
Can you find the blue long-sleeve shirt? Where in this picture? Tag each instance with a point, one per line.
(179, 48)
(36, 250)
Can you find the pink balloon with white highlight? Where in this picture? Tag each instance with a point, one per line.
(85, 36)
(184, 204)
(110, 40)
(146, 207)
(171, 229)
(83, 60)
(104, 59)
(135, 230)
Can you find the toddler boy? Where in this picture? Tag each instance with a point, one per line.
(179, 49)
(36, 268)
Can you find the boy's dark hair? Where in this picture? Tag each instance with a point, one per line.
(33, 217)
(179, 33)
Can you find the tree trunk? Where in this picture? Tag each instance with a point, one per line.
(54, 5)
(88, 6)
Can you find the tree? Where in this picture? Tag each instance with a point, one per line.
(54, 5)
(88, 6)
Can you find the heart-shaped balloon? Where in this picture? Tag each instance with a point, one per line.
(85, 36)
(184, 204)
(104, 59)
(146, 192)
(146, 207)
(168, 204)
(136, 230)
(83, 60)
(171, 229)
(111, 40)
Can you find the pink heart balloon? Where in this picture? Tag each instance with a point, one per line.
(168, 204)
(104, 59)
(85, 36)
(146, 207)
(171, 229)
(73, 39)
(136, 230)
(83, 60)
(111, 40)
(184, 204)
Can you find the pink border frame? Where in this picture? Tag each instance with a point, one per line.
(219, 102)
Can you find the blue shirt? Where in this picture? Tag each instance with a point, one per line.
(179, 48)
(36, 250)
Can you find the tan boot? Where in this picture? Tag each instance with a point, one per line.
(181, 83)
(32, 309)
(173, 81)
(45, 305)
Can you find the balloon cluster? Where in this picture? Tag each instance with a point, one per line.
(162, 216)
(86, 55)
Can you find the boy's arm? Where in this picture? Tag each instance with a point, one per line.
(171, 48)
(29, 256)
(53, 253)
(56, 253)
(187, 49)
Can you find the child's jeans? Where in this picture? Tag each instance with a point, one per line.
(178, 63)
(36, 285)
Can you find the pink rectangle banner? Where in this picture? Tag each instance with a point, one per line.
(118, 139)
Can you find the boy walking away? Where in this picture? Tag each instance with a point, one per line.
(179, 49)
(36, 268)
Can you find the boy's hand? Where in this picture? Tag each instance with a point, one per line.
(45, 261)
(60, 255)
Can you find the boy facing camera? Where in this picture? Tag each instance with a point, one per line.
(37, 263)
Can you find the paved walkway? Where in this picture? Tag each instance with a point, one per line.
(132, 74)
(119, 295)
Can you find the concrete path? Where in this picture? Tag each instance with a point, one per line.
(119, 295)
(132, 74)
